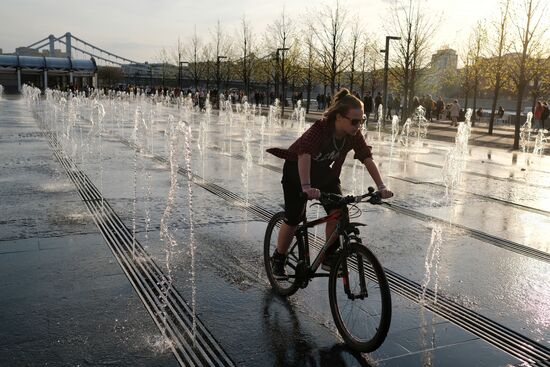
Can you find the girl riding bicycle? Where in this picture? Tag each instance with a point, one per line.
(313, 164)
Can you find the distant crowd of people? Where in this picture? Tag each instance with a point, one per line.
(438, 110)
(541, 114)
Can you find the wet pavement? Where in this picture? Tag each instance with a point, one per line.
(70, 297)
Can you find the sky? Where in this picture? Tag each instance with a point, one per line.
(139, 29)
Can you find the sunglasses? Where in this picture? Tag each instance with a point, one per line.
(356, 122)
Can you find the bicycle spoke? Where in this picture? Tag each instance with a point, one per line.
(292, 266)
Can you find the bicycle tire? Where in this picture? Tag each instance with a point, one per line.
(377, 303)
(281, 287)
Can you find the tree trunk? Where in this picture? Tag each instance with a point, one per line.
(267, 92)
(363, 84)
(405, 112)
(412, 87)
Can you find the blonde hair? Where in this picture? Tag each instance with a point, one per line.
(342, 102)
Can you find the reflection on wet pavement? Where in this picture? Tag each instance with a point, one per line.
(233, 298)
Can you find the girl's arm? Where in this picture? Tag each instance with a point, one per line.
(375, 174)
(304, 170)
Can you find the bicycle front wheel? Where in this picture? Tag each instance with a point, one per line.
(360, 299)
(288, 286)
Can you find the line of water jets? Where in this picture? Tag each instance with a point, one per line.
(62, 117)
(188, 125)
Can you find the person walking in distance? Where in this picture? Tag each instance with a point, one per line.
(377, 103)
(368, 103)
(545, 113)
(455, 112)
(538, 115)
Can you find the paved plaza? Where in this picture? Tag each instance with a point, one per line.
(99, 211)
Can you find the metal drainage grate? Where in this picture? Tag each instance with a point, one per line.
(192, 345)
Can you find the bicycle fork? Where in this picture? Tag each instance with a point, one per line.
(363, 293)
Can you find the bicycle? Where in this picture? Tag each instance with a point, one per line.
(361, 303)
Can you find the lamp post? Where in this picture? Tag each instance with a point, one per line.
(386, 51)
(283, 49)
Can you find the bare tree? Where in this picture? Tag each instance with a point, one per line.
(466, 76)
(262, 72)
(295, 73)
(527, 46)
(496, 68)
(247, 54)
(370, 66)
(194, 58)
(355, 46)
(376, 75)
(164, 57)
(221, 48)
(205, 69)
(415, 27)
(363, 62)
(280, 36)
(330, 31)
(310, 64)
(478, 43)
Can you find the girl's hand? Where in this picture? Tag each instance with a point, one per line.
(311, 192)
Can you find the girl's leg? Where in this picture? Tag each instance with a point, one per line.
(330, 228)
(295, 207)
(285, 238)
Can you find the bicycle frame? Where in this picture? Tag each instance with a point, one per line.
(303, 239)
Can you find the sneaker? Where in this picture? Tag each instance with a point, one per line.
(278, 266)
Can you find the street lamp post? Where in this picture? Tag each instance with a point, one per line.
(283, 49)
(386, 51)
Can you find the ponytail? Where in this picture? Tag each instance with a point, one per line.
(342, 102)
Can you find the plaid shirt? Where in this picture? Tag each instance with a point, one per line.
(312, 141)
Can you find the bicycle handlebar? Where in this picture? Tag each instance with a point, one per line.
(340, 201)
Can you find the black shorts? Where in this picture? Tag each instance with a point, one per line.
(295, 207)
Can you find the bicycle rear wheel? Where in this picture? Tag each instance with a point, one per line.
(288, 286)
(362, 313)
